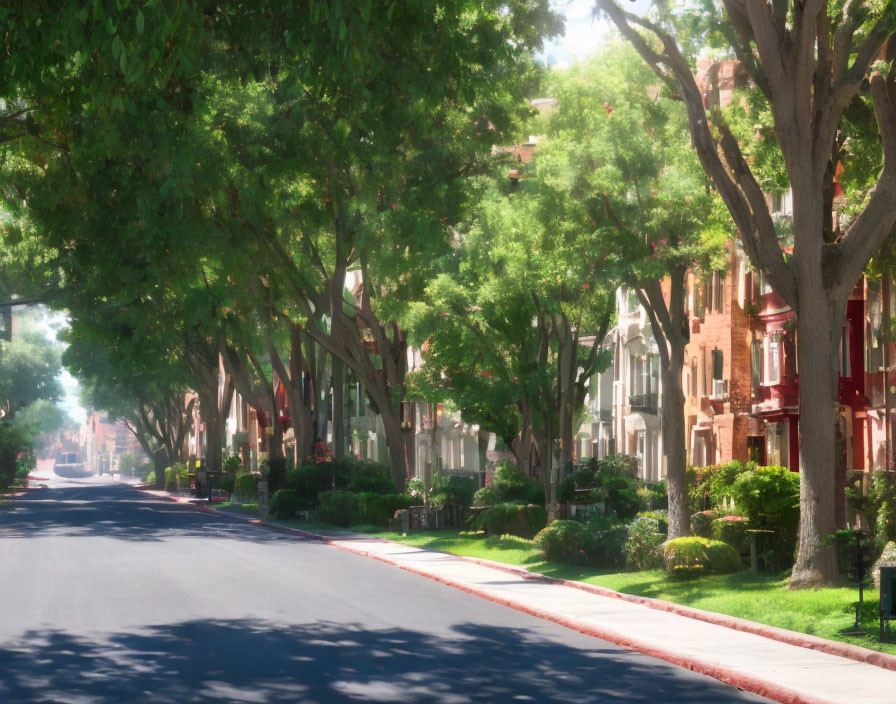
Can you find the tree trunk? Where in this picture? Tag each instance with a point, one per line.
(674, 446)
(398, 465)
(815, 563)
(160, 464)
(338, 409)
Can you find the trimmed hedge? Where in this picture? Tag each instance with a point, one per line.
(340, 508)
(512, 519)
(691, 557)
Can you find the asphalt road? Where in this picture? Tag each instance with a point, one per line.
(109, 596)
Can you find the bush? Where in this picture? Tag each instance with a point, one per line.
(15, 453)
(687, 558)
(378, 509)
(565, 541)
(770, 498)
(512, 519)
(607, 546)
(877, 506)
(658, 496)
(246, 485)
(309, 481)
(151, 477)
(340, 508)
(361, 476)
(611, 480)
(644, 546)
(226, 482)
(661, 516)
(732, 530)
(710, 487)
(701, 523)
(510, 485)
(285, 503)
(171, 479)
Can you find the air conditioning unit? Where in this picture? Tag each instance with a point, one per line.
(756, 409)
(719, 388)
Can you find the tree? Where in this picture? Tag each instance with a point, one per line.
(505, 325)
(810, 60)
(618, 146)
(29, 370)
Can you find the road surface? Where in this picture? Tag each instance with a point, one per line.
(107, 595)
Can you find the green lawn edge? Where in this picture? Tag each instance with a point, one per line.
(826, 613)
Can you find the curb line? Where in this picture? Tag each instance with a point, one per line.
(736, 678)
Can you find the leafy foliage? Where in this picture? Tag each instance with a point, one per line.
(509, 484)
(512, 519)
(690, 557)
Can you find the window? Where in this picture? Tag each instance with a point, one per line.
(693, 376)
(778, 451)
(718, 289)
(756, 366)
(773, 359)
(719, 386)
(699, 299)
(702, 448)
(845, 366)
(703, 374)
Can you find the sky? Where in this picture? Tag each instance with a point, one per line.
(584, 34)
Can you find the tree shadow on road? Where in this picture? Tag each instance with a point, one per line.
(256, 661)
(118, 512)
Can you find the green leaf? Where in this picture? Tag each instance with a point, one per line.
(139, 21)
(116, 47)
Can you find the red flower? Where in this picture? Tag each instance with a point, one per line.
(394, 206)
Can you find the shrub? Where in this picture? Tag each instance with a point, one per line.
(512, 519)
(644, 546)
(877, 506)
(701, 523)
(151, 477)
(246, 485)
(565, 541)
(361, 476)
(309, 481)
(710, 487)
(508, 485)
(610, 480)
(690, 557)
(378, 509)
(732, 530)
(171, 479)
(487, 496)
(607, 546)
(226, 482)
(770, 498)
(658, 498)
(285, 503)
(340, 508)
(661, 517)
(454, 490)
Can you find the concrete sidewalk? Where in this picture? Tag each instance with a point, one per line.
(768, 666)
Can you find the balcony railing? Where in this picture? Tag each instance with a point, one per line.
(644, 403)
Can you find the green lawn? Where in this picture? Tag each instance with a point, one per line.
(251, 509)
(827, 613)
